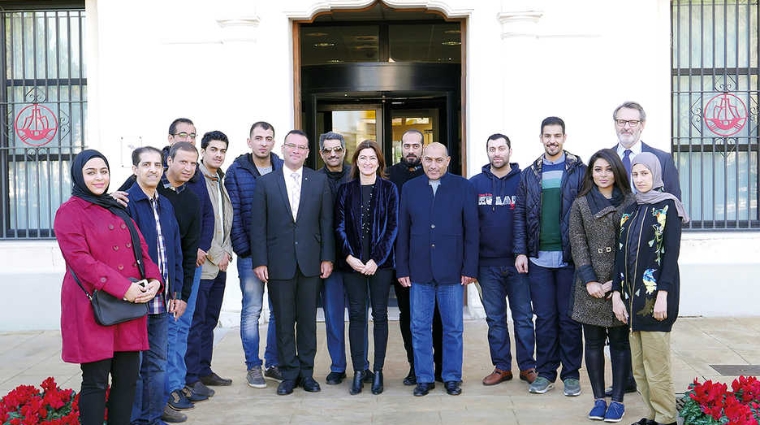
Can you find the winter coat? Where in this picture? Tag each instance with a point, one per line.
(647, 262)
(528, 210)
(593, 240)
(97, 246)
(348, 223)
(240, 182)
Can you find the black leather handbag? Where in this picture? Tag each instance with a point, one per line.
(110, 310)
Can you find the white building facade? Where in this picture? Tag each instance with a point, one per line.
(111, 75)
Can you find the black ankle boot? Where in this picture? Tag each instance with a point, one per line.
(358, 384)
(377, 383)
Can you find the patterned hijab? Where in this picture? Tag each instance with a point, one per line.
(656, 195)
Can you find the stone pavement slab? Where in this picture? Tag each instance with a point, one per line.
(30, 357)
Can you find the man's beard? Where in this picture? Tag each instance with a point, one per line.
(414, 162)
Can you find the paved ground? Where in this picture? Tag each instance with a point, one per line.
(697, 343)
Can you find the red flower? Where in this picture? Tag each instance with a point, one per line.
(26, 405)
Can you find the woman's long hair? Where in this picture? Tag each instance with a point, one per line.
(368, 144)
(618, 171)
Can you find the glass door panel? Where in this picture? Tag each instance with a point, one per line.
(356, 125)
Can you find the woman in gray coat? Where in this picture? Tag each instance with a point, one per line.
(594, 219)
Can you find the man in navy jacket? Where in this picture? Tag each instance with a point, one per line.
(496, 187)
(154, 216)
(240, 182)
(438, 222)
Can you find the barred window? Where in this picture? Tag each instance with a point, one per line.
(715, 110)
(43, 113)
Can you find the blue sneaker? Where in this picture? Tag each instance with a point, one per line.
(597, 413)
(615, 412)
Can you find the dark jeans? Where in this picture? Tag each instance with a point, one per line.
(295, 311)
(404, 323)
(620, 354)
(200, 341)
(123, 368)
(558, 337)
(498, 283)
(149, 390)
(357, 286)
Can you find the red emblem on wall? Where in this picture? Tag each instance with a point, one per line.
(36, 125)
(725, 114)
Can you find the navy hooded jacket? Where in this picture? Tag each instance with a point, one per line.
(497, 197)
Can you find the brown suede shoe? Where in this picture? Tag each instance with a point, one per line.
(497, 376)
(529, 375)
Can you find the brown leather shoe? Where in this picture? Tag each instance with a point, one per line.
(497, 376)
(529, 375)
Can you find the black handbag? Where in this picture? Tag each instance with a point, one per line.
(108, 309)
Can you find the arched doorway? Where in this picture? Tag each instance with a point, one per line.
(375, 73)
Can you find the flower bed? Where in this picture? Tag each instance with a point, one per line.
(27, 405)
(712, 403)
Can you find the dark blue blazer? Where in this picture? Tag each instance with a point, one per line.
(141, 211)
(283, 244)
(348, 222)
(438, 236)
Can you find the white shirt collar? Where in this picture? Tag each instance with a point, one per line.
(635, 149)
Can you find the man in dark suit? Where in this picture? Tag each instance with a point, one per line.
(630, 120)
(293, 248)
(438, 222)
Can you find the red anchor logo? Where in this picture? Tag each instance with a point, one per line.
(725, 114)
(36, 125)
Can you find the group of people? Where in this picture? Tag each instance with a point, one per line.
(591, 253)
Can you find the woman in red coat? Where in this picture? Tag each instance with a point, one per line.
(96, 243)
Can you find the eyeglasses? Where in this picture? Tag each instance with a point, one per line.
(295, 146)
(336, 149)
(632, 123)
(185, 135)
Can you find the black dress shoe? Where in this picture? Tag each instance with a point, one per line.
(423, 389)
(377, 383)
(368, 376)
(629, 388)
(335, 378)
(357, 384)
(411, 378)
(310, 385)
(453, 388)
(286, 387)
(214, 380)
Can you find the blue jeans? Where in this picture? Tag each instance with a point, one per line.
(253, 301)
(149, 392)
(176, 369)
(200, 341)
(334, 306)
(496, 284)
(422, 299)
(558, 337)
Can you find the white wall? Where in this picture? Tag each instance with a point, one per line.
(226, 64)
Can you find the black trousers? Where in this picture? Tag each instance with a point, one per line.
(295, 313)
(123, 368)
(620, 354)
(357, 287)
(404, 322)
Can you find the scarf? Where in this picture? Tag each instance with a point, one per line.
(80, 190)
(656, 195)
(597, 201)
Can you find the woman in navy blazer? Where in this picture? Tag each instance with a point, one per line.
(366, 221)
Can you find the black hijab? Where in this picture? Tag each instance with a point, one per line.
(80, 190)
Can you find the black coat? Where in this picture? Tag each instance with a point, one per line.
(283, 244)
(646, 262)
(348, 223)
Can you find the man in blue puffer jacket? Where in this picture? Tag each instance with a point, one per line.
(240, 182)
(542, 219)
